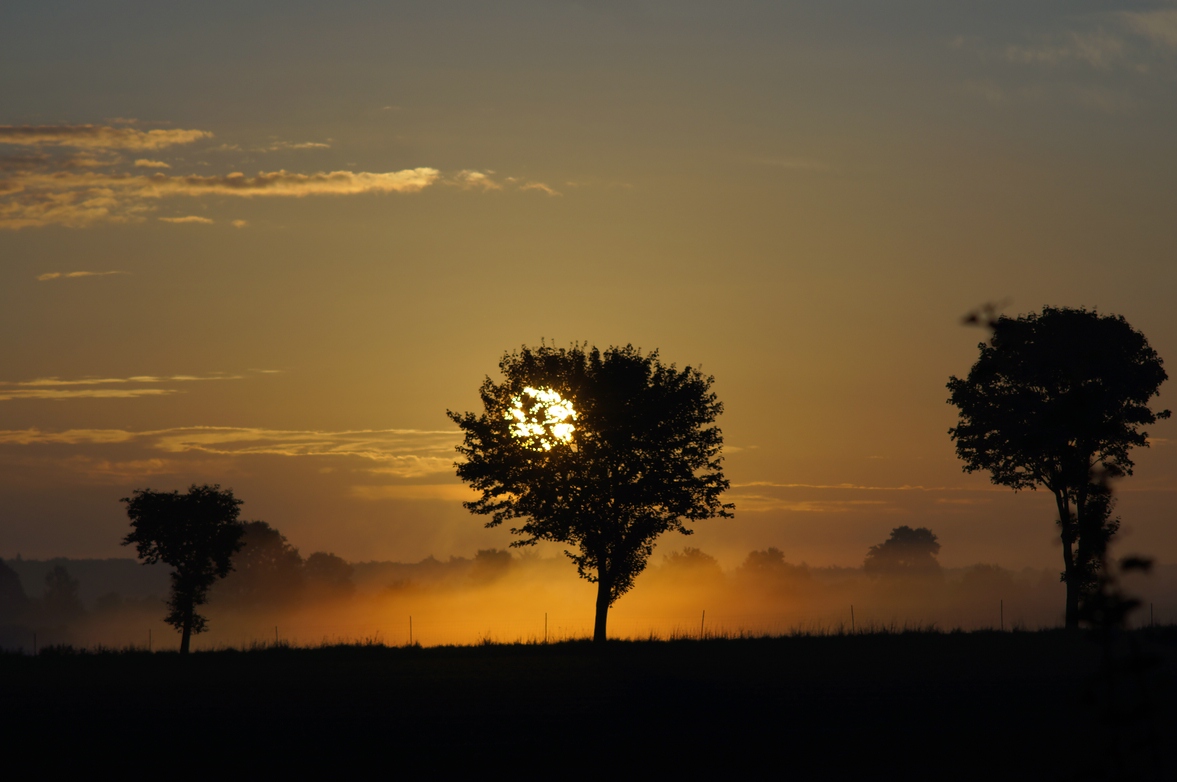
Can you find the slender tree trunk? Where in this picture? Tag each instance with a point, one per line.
(603, 591)
(1070, 575)
(186, 637)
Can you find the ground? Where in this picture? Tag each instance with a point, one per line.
(983, 705)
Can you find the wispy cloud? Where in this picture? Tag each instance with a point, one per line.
(766, 496)
(81, 198)
(1098, 49)
(474, 180)
(468, 179)
(55, 382)
(67, 437)
(761, 503)
(97, 136)
(57, 389)
(239, 223)
(452, 492)
(540, 187)
(284, 145)
(1133, 40)
(858, 487)
(72, 275)
(1160, 27)
(398, 453)
(93, 184)
(58, 394)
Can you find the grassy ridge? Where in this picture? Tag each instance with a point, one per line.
(906, 705)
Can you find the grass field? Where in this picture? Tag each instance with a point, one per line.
(910, 705)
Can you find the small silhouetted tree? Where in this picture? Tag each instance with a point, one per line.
(906, 552)
(691, 564)
(1058, 400)
(196, 533)
(490, 565)
(602, 451)
(768, 568)
(61, 601)
(14, 603)
(267, 570)
(328, 575)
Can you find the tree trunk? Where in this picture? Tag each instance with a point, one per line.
(603, 591)
(187, 634)
(1070, 576)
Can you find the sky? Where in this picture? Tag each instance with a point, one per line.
(268, 245)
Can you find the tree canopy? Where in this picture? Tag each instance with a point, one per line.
(1058, 400)
(906, 552)
(602, 451)
(196, 533)
(267, 570)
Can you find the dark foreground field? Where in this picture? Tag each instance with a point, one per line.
(887, 706)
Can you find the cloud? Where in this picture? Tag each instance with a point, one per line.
(400, 453)
(71, 275)
(68, 437)
(96, 186)
(858, 487)
(1098, 49)
(1160, 27)
(286, 184)
(281, 145)
(96, 136)
(448, 492)
(541, 187)
(56, 394)
(56, 389)
(54, 382)
(763, 501)
(239, 223)
(81, 198)
(759, 503)
(468, 179)
(1123, 40)
(474, 180)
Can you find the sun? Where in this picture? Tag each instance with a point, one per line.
(541, 418)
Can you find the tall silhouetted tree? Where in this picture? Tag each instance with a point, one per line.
(906, 552)
(603, 451)
(196, 533)
(1058, 400)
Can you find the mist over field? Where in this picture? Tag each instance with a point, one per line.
(502, 596)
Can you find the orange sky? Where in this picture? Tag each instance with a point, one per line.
(269, 245)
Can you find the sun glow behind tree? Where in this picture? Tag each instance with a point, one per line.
(541, 418)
